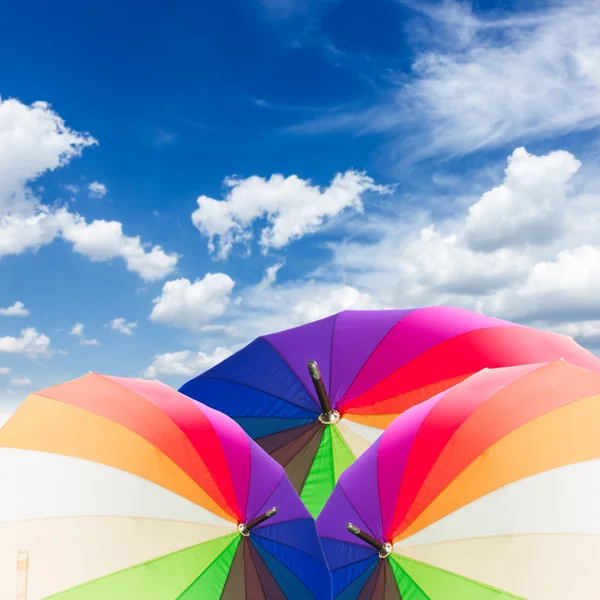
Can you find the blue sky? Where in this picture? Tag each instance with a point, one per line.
(212, 171)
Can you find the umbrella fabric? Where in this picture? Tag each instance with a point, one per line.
(374, 365)
(117, 489)
(488, 491)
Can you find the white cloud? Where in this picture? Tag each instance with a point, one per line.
(337, 300)
(16, 310)
(292, 207)
(72, 188)
(122, 326)
(561, 287)
(77, 329)
(185, 363)
(97, 189)
(33, 140)
(528, 208)
(500, 255)
(494, 81)
(4, 370)
(504, 256)
(193, 305)
(20, 382)
(104, 240)
(30, 343)
(538, 79)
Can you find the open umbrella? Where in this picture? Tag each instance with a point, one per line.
(119, 489)
(369, 366)
(488, 491)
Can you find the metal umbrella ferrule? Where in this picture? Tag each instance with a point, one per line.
(328, 416)
(245, 528)
(383, 549)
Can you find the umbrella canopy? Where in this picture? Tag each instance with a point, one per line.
(373, 365)
(488, 491)
(116, 488)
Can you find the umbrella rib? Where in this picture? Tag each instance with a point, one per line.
(354, 507)
(414, 358)
(368, 358)
(182, 594)
(252, 387)
(292, 370)
(333, 329)
(140, 436)
(295, 548)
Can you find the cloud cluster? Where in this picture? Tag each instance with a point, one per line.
(33, 140)
(527, 250)
(292, 208)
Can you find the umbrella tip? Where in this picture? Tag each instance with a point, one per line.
(313, 369)
(352, 528)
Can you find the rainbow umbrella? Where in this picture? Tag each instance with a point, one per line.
(119, 489)
(488, 491)
(367, 367)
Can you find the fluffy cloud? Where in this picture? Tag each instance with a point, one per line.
(292, 207)
(20, 382)
(502, 255)
(529, 206)
(122, 326)
(30, 343)
(33, 140)
(99, 240)
(97, 189)
(505, 256)
(4, 370)
(104, 240)
(185, 363)
(193, 305)
(16, 310)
